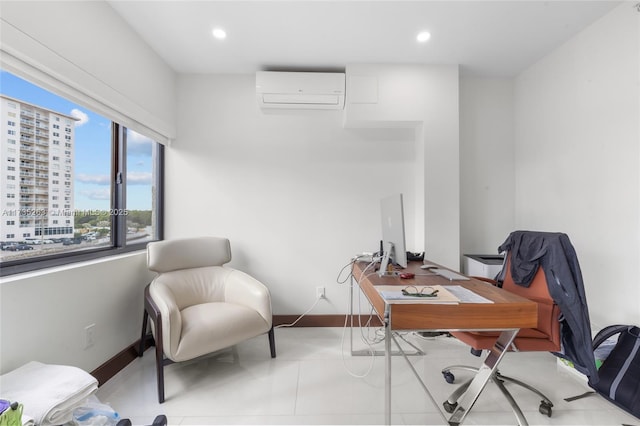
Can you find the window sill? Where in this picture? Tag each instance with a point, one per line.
(47, 266)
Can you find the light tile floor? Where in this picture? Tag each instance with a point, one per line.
(315, 380)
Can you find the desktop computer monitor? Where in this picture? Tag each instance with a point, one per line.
(393, 241)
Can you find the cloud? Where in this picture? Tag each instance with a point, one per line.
(139, 178)
(81, 117)
(95, 179)
(98, 194)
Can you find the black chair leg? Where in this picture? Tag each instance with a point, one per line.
(160, 371)
(272, 342)
(143, 335)
(151, 312)
(160, 362)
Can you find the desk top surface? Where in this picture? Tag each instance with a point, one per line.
(507, 310)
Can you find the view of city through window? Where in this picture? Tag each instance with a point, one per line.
(55, 177)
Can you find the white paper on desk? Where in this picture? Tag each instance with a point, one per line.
(467, 296)
(393, 294)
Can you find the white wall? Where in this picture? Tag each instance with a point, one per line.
(297, 193)
(577, 157)
(43, 314)
(487, 182)
(426, 97)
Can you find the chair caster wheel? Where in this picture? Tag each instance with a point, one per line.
(449, 407)
(448, 376)
(545, 408)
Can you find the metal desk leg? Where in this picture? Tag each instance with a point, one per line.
(387, 370)
(489, 366)
(351, 314)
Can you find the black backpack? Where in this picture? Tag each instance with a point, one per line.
(619, 375)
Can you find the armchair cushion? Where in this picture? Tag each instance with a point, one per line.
(209, 327)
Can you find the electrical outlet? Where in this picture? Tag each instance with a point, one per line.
(320, 292)
(89, 336)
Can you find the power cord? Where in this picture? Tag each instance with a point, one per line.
(371, 337)
(350, 264)
(367, 340)
(344, 361)
(318, 299)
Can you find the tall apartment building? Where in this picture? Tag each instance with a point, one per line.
(37, 158)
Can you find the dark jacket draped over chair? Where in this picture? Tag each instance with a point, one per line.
(557, 257)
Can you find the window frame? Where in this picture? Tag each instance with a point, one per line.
(118, 222)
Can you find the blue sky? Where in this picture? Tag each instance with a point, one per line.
(92, 168)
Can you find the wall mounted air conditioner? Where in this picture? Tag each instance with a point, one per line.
(300, 90)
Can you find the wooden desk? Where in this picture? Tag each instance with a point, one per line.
(507, 313)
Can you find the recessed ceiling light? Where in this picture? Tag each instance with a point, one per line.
(219, 33)
(423, 36)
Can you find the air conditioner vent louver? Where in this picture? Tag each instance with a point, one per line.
(300, 90)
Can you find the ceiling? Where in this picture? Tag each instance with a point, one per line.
(488, 38)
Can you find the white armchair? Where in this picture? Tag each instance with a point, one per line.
(198, 306)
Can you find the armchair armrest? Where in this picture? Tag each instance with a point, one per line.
(243, 289)
(170, 317)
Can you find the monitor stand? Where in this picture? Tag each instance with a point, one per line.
(386, 262)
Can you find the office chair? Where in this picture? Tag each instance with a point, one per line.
(545, 337)
(198, 306)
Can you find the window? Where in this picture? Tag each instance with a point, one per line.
(141, 186)
(112, 182)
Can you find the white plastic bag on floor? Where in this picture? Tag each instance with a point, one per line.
(95, 413)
